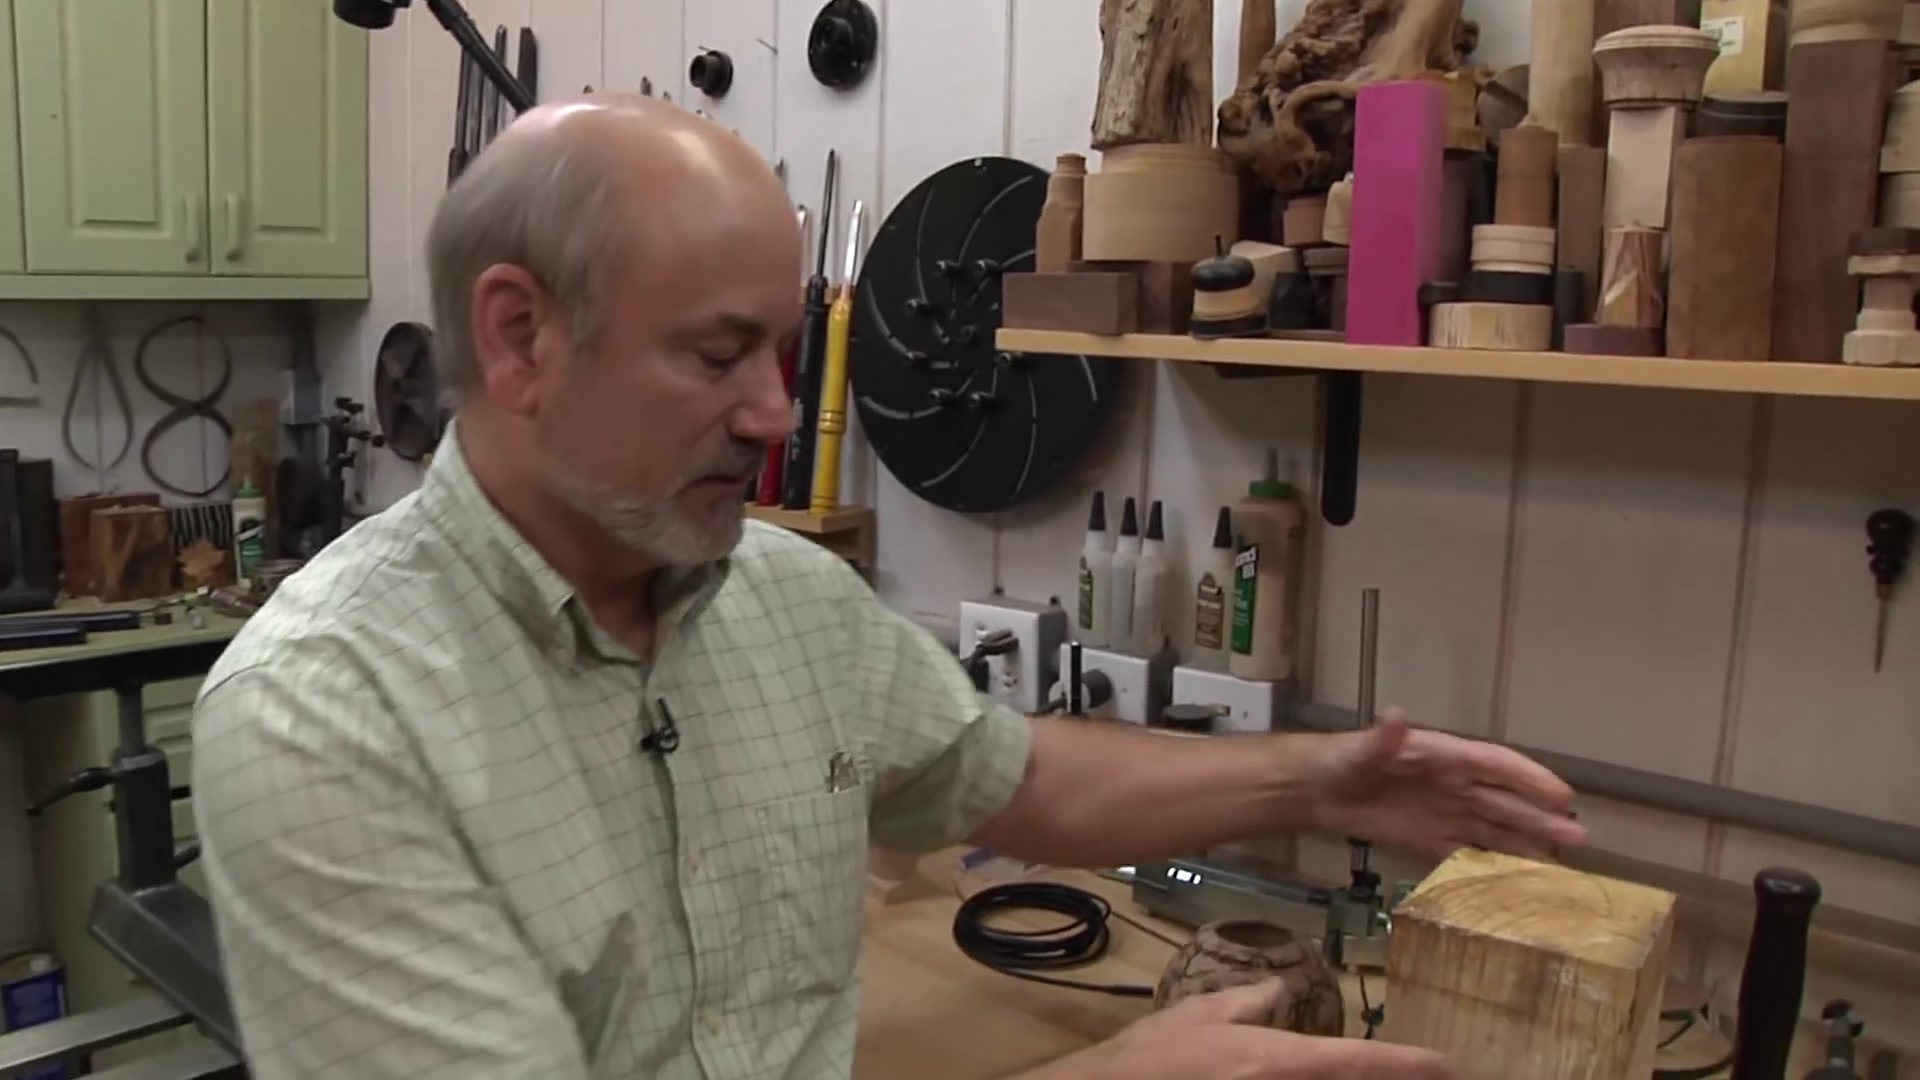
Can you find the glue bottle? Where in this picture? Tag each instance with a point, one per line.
(1213, 598)
(1126, 561)
(1268, 525)
(1096, 577)
(249, 532)
(1150, 588)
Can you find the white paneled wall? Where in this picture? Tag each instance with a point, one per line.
(1665, 580)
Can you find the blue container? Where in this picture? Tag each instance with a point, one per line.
(33, 990)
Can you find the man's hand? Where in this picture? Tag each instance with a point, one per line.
(1217, 1037)
(1436, 793)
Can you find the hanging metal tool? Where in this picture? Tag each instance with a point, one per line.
(185, 408)
(1890, 535)
(833, 383)
(462, 151)
(774, 471)
(957, 421)
(810, 363)
(96, 365)
(490, 113)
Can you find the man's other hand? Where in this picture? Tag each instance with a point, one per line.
(1220, 1036)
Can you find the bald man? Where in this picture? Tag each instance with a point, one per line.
(558, 769)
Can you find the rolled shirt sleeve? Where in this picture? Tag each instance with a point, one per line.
(358, 936)
(948, 758)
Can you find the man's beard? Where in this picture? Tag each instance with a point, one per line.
(662, 529)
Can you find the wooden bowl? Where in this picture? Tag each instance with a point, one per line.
(1223, 955)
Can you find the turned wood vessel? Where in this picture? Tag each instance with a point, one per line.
(1223, 955)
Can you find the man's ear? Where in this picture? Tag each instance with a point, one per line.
(510, 310)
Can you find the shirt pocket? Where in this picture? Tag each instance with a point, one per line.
(817, 863)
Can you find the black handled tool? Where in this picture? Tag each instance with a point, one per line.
(481, 93)
(1889, 548)
(797, 482)
(490, 115)
(1775, 974)
(458, 156)
(526, 69)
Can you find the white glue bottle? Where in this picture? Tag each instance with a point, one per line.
(1150, 588)
(1126, 558)
(1095, 579)
(1268, 525)
(1213, 598)
(249, 533)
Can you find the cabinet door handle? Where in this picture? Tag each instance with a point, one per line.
(195, 227)
(236, 226)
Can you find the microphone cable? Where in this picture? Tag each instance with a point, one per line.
(1025, 954)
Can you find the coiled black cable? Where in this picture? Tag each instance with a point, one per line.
(1024, 953)
(184, 408)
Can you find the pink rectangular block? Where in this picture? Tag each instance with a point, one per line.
(1399, 159)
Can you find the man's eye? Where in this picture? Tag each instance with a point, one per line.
(721, 361)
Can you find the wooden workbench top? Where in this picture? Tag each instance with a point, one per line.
(101, 643)
(933, 1014)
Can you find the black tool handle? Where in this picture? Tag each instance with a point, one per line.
(1340, 447)
(796, 483)
(1775, 973)
(1889, 545)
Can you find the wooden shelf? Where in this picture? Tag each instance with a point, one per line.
(1803, 380)
(832, 522)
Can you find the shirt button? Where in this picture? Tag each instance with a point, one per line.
(693, 862)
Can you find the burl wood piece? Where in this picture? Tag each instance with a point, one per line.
(1630, 279)
(1581, 231)
(77, 576)
(1165, 302)
(1523, 193)
(1084, 303)
(1560, 75)
(1509, 327)
(1753, 44)
(1726, 211)
(1156, 73)
(1399, 154)
(1519, 970)
(1640, 146)
(1827, 192)
(1224, 955)
(1057, 238)
(132, 553)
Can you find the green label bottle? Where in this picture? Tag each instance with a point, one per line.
(1246, 594)
(1083, 617)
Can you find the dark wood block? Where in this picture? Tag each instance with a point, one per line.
(1086, 303)
(1593, 339)
(1165, 301)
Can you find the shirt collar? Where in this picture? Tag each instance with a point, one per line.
(533, 593)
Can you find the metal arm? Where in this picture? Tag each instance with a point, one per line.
(378, 14)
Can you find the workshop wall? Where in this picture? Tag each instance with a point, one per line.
(1672, 581)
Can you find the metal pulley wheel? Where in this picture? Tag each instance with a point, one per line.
(959, 422)
(406, 392)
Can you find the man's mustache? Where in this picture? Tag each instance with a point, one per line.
(741, 461)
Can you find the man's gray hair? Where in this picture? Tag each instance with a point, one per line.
(534, 202)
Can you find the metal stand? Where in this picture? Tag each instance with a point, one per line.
(344, 434)
(378, 15)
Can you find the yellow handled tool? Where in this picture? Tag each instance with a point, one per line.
(833, 380)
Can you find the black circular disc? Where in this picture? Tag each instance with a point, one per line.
(841, 45)
(406, 391)
(955, 420)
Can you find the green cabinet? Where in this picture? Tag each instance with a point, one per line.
(188, 149)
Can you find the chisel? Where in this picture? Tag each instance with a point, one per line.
(490, 116)
(527, 69)
(833, 380)
(796, 485)
(457, 156)
(775, 468)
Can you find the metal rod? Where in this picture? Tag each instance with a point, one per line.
(1369, 656)
(1889, 840)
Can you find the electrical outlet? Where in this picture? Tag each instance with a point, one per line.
(1140, 683)
(1020, 678)
(1240, 705)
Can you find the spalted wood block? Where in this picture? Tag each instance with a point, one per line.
(1086, 303)
(1640, 146)
(1399, 155)
(1156, 73)
(1519, 970)
(77, 576)
(132, 553)
(1165, 300)
(1630, 279)
(1726, 212)
(1582, 173)
(1506, 327)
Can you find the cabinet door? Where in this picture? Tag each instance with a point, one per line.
(113, 135)
(287, 128)
(13, 249)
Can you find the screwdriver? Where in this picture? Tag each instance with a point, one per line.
(833, 382)
(1889, 547)
(808, 364)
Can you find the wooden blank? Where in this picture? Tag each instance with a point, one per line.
(1582, 215)
(1611, 15)
(1523, 194)
(1084, 303)
(1592, 339)
(1816, 21)
(1165, 301)
(1630, 279)
(1753, 44)
(1726, 210)
(1519, 970)
(1508, 327)
(1560, 79)
(77, 576)
(1828, 189)
(1640, 146)
(1399, 147)
(1159, 202)
(1156, 73)
(132, 553)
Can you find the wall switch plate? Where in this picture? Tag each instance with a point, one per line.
(1240, 705)
(1019, 678)
(1140, 683)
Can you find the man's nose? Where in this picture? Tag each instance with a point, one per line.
(767, 414)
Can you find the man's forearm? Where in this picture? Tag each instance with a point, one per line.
(1097, 793)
